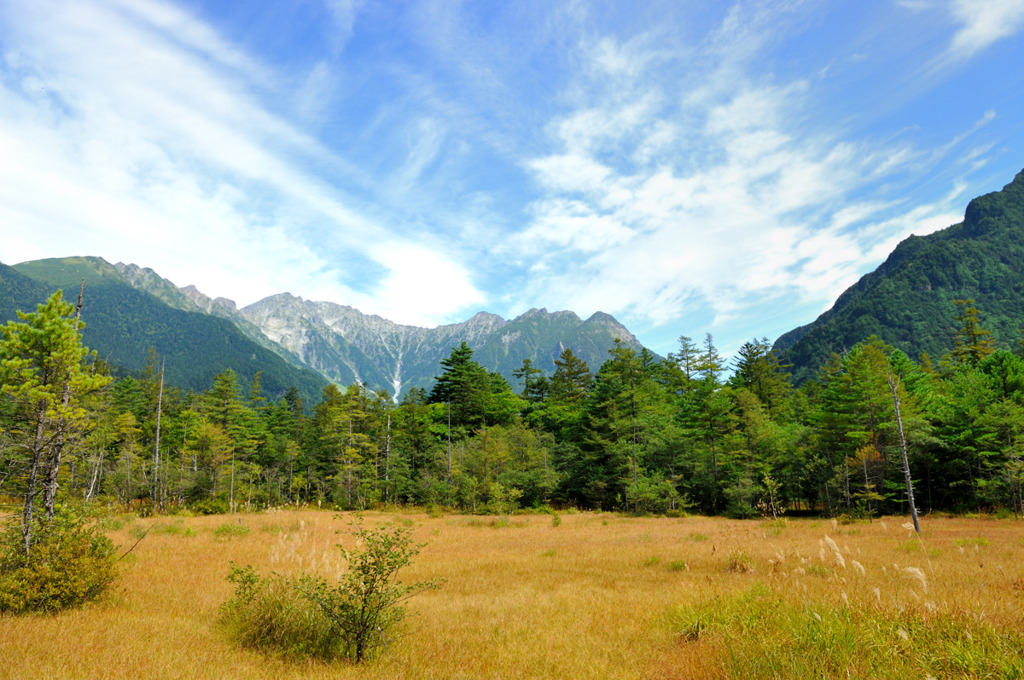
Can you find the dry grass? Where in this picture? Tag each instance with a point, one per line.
(598, 596)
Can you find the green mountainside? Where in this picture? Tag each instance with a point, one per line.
(122, 323)
(908, 300)
(19, 293)
(129, 309)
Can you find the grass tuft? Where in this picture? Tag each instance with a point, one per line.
(228, 530)
(739, 562)
(765, 635)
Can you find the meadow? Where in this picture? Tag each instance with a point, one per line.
(583, 595)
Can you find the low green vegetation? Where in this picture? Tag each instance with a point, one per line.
(309, 615)
(229, 530)
(760, 634)
(70, 563)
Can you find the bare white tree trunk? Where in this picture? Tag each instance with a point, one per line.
(156, 447)
(893, 385)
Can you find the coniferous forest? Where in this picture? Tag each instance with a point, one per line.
(690, 433)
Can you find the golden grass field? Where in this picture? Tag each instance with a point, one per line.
(597, 596)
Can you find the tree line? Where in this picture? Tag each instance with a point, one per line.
(691, 432)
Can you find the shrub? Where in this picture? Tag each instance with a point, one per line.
(70, 563)
(354, 617)
(210, 506)
(269, 614)
(365, 605)
(228, 530)
(739, 562)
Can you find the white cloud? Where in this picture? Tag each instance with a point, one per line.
(730, 207)
(422, 288)
(712, 159)
(984, 22)
(158, 149)
(343, 13)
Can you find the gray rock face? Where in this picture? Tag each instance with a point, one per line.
(345, 345)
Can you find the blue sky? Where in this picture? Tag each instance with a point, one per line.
(688, 167)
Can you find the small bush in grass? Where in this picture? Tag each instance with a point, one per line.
(175, 529)
(739, 562)
(210, 506)
(556, 519)
(818, 570)
(70, 563)
(111, 523)
(971, 542)
(354, 617)
(269, 614)
(677, 565)
(229, 530)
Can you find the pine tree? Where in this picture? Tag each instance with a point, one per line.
(43, 378)
(972, 343)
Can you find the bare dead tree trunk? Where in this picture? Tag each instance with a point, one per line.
(93, 485)
(156, 447)
(448, 475)
(387, 461)
(893, 385)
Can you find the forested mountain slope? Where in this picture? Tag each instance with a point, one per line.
(130, 308)
(123, 323)
(908, 300)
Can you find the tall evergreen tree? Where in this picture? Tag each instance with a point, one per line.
(43, 378)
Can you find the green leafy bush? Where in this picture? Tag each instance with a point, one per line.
(210, 506)
(69, 563)
(309, 615)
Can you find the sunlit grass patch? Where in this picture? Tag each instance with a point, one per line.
(571, 602)
(229, 530)
(739, 562)
(972, 542)
(175, 528)
(764, 634)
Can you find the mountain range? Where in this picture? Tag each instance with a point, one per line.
(294, 342)
(908, 302)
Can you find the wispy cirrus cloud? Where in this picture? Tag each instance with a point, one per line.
(713, 198)
(982, 23)
(685, 166)
(160, 149)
